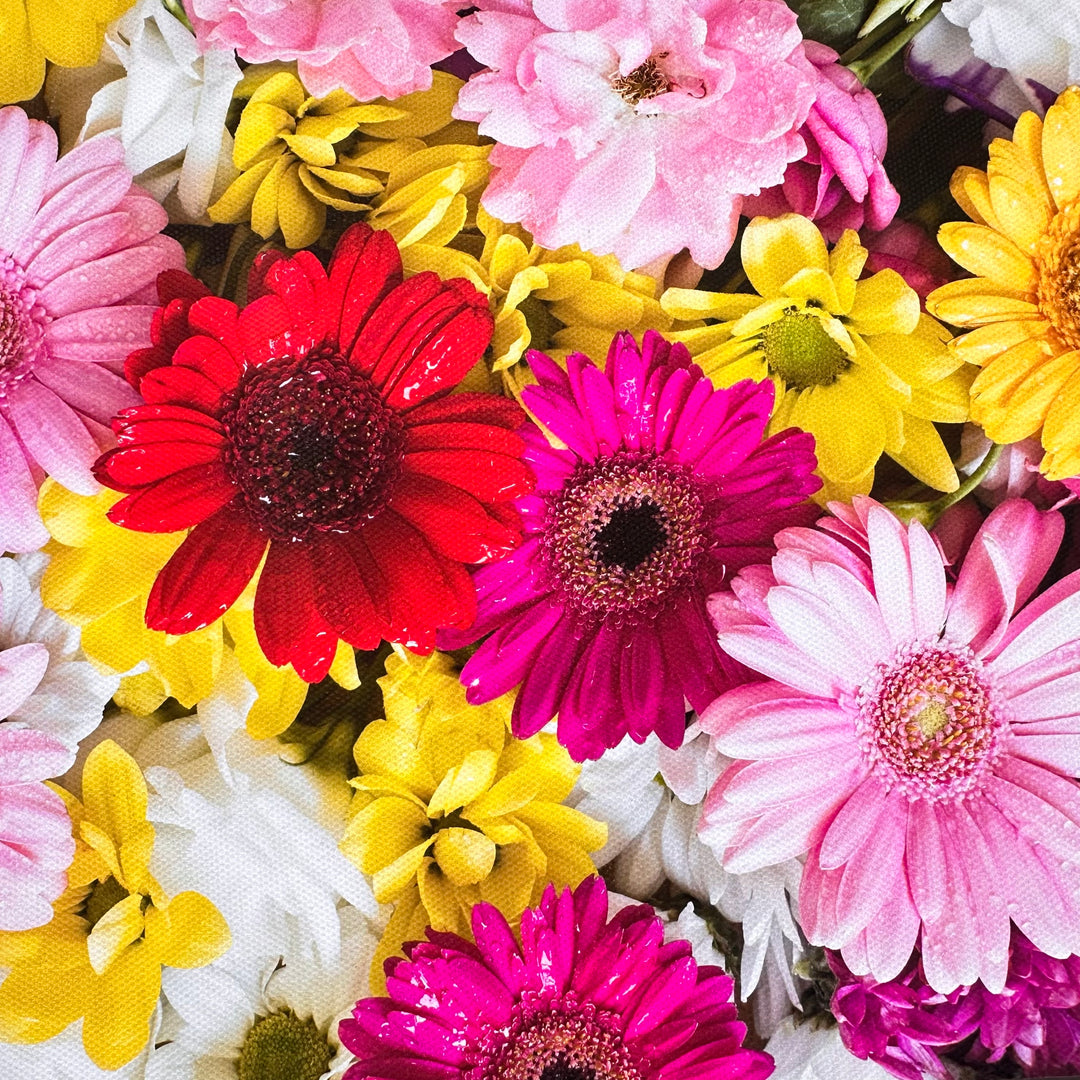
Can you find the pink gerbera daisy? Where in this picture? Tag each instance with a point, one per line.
(665, 487)
(581, 998)
(79, 245)
(916, 739)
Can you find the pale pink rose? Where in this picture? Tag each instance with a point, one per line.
(371, 48)
(633, 127)
(841, 182)
(80, 250)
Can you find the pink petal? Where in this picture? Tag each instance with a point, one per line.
(100, 334)
(27, 756)
(764, 650)
(26, 171)
(21, 669)
(21, 528)
(924, 856)
(853, 824)
(891, 936)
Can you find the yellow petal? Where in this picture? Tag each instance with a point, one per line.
(189, 932)
(464, 782)
(282, 90)
(509, 794)
(383, 747)
(464, 855)
(1061, 431)
(975, 301)
(947, 401)
(407, 923)
(1021, 158)
(923, 454)
(884, 304)
(70, 34)
(989, 254)
(774, 250)
(600, 303)
(258, 135)
(558, 827)
(846, 262)
(971, 189)
(691, 304)
(383, 832)
(981, 345)
(388, 882)
(814, 287)
(301, 217)
(1023, 220)
(510, 884)
(117, 1025)
(115, 931)
(235, 204)
(442, 899)
(114, 792)
(426, 111)
(310, 149)
(1060, 140)
(22, 59)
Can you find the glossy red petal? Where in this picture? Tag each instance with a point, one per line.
(469, 407)
(453, 523)
(287, 623)
(489, 477)
(260, 267)
(365, 267)
(382, 332)
(181, 386)
(267, 332)
(294, 282)
(347, 581)
(137, 430)
(182, 414)
(206, 574)
(132, 467)
(178, 502)
(179, 285)
(219, 319)
(464, 436)
(210, 358)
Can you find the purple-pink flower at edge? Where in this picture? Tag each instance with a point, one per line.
(908, 249)
(666, 486)
(80, 249)
(918, 742)
(370, 48)
(581, 992)
(635, 129)
(840, 183)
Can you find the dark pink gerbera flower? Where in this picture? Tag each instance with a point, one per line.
(581, 998)
(666, 487)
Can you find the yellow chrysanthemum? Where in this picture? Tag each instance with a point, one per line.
(297, 155)
(854, 362)
(33, 31)
(559, 302)
(1023, 243)
(99, 577)
(452, 810)
(112, 930)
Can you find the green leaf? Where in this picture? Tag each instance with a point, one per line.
(832, 22)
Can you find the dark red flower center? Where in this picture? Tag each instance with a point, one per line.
(312, 446)
(622, 535)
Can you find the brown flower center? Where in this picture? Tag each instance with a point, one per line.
(645, 81)
(1058, 259)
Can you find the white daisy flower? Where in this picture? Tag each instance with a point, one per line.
(809, 1053)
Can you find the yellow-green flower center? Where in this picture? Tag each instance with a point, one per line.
(104, 896)
(284, 1047)
(1059, 274)
(799, 350)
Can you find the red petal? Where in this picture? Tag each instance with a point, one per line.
(141, 361)
(453, 523)
(267, 332)
(219, 319)
(134, 430)
(365, 267)
(210, 358)
(206, 574)
(382, 333)
(129, 468)
(469, 407)
(179, 285)
(489, 477)
(287, 623)
(260, 267)
(139, 414)
(178, 502)
(464, 436)
(181, 386)
(347, 581)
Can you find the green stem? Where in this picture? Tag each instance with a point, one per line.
(176, 9)
(865, 68)
(929, 512)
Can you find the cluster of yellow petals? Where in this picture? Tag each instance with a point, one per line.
(1022, 309)
(112, 930)
(451, 810)
(855, 362)
(99, 577)
(33, 31)
(409, 163)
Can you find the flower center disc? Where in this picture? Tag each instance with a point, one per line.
(21, 329)
(929, 721)
(311, 446)
(645, 81)
(798, 349)
(1059, 277)
(284, 1047)
(622, 534)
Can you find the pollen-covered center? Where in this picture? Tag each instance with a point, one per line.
(22, 328)
(1058, 260)
(312, 446)
(622, 535)
(929, 720)
(645, 81)
(799, 350)
(558, 1041)
(284, 1047)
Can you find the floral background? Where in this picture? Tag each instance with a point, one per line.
(538, 541)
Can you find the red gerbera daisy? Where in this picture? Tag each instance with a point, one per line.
(313, 427)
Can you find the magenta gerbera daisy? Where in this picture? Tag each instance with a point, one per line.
(581, 998)
(79, 248)
(917, 740)
(665, 488)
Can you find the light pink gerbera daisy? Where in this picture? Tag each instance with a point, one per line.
(79, 252)
(916, 739)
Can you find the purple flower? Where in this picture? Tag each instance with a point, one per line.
(664, 490)
(581, 996)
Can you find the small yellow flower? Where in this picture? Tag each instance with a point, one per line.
(559, 302)
(452, 810)
(1023, 243)
(854, 362)
(297, 155)
(112, 930)
(99, 577)
(33, 31)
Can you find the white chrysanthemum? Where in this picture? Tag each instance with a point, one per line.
(168, 109)
(650, 797)
(69, 695)
(806, 1053)
(275, 1015)
(1031, 39)
(63, 1058)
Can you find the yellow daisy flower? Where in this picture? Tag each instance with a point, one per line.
(112, 930)
(298, 154)
(451, 810)
(99, 577)
(854, 362)
(559, 302)
(33, 31)
(1023, 243)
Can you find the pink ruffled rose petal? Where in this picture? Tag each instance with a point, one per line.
(634, 128)
(370, 48)
(79, 244)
